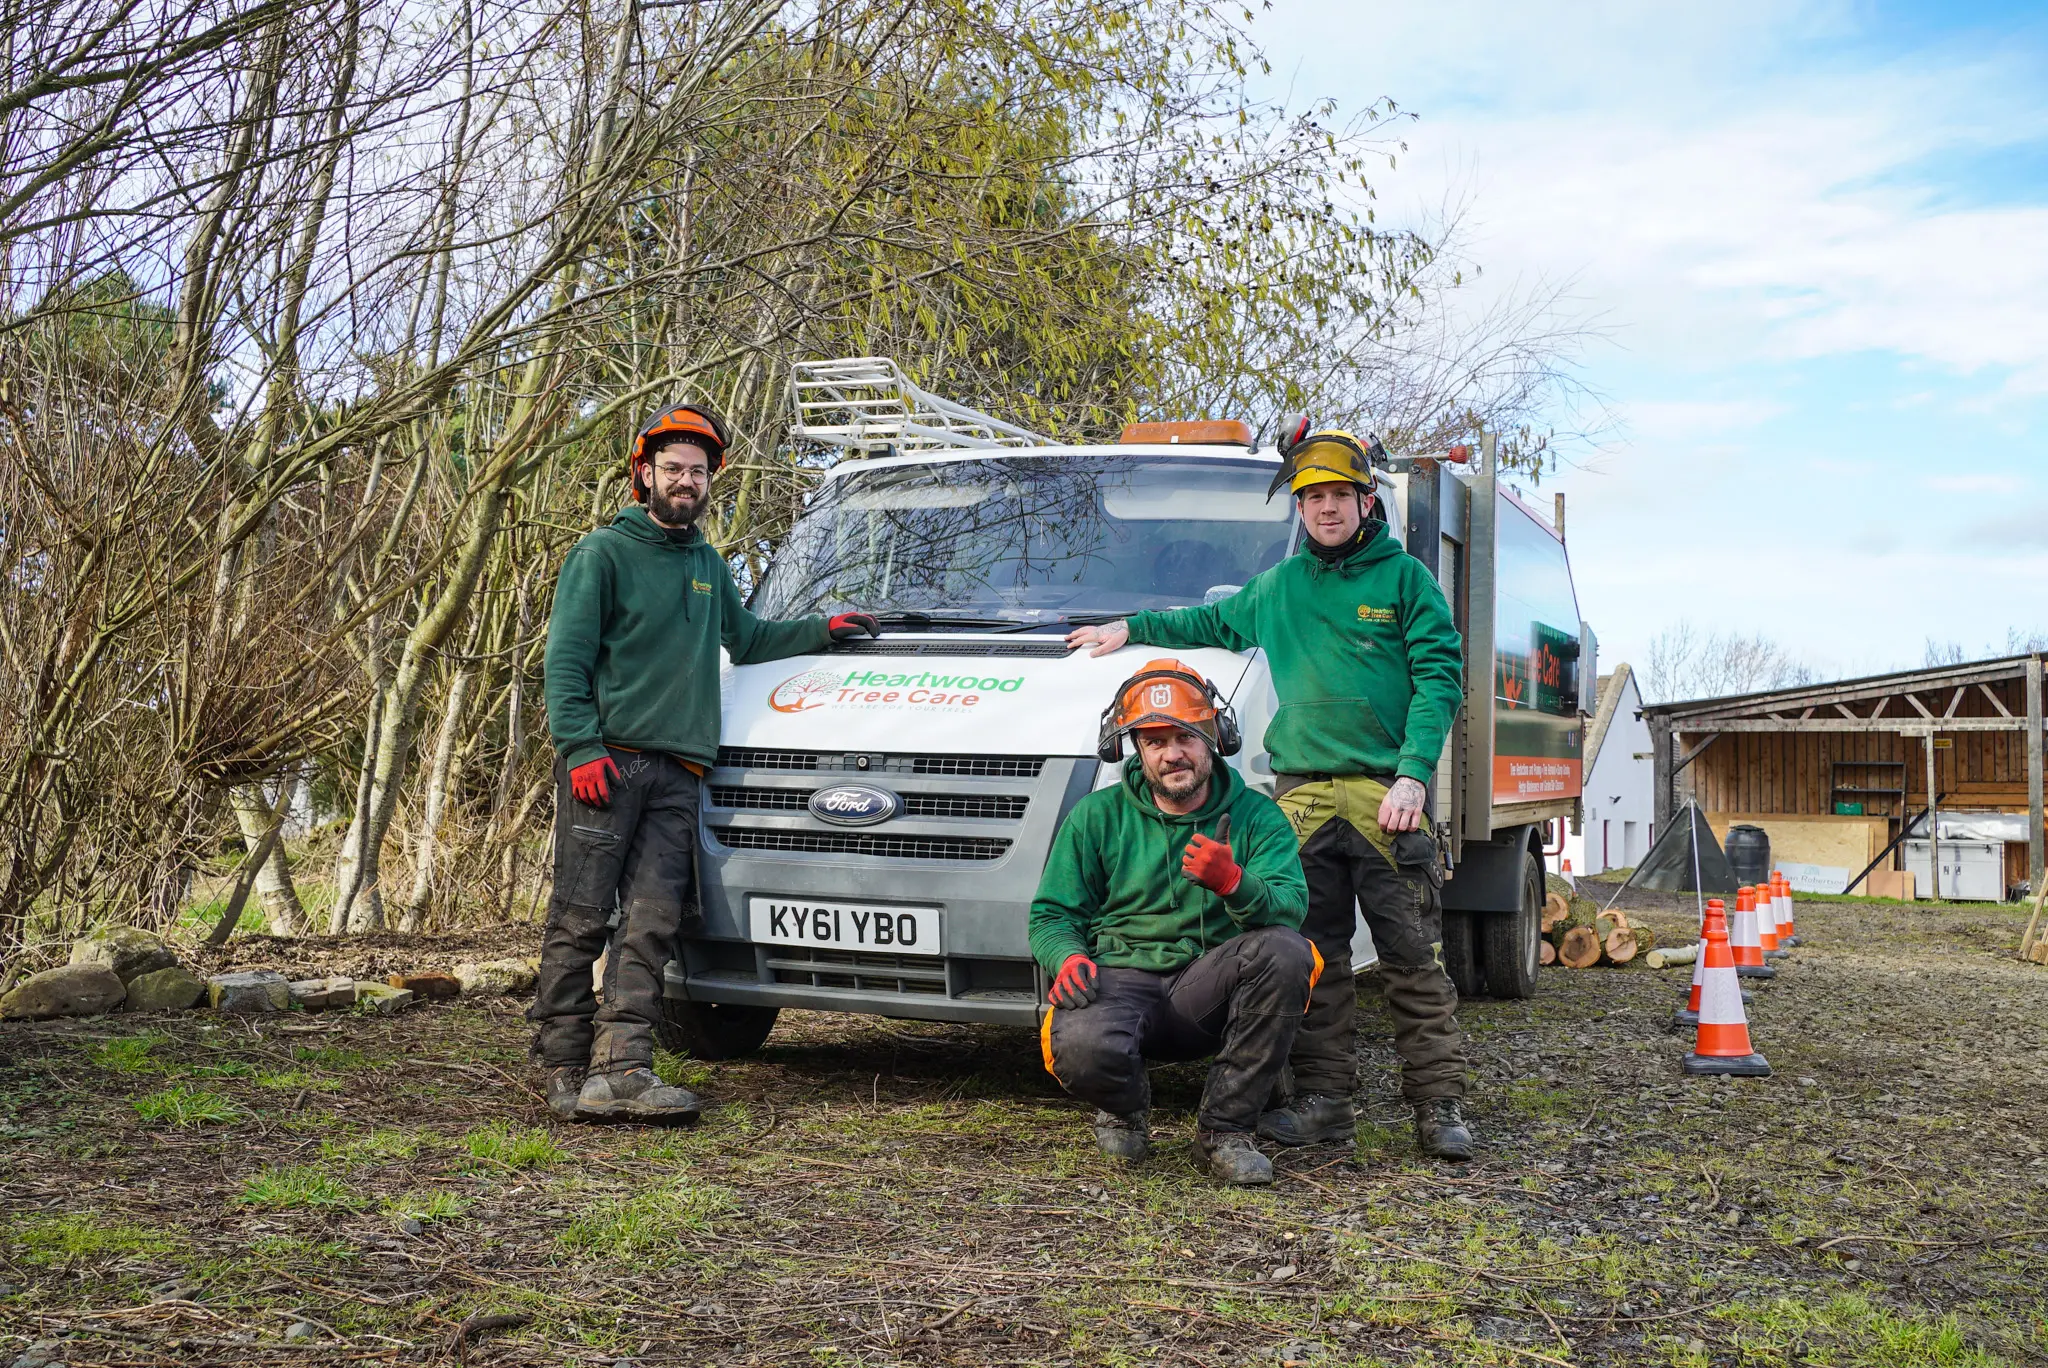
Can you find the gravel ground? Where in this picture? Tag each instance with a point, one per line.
(310, 1190)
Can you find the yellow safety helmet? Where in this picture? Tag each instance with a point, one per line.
(1323, 456)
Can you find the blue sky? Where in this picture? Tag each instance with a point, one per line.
(1814, 238)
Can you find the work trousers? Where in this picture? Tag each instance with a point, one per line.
(637, 856)
(1396, 881)
(1241, 1002)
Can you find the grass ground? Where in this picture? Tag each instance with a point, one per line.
(303, 1191)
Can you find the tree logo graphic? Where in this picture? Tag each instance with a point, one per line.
(801, 693)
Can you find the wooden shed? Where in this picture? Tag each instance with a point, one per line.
(1835, 768)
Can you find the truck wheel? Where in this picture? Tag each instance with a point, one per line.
(712, 1030)
(1460, 957)
(1511, 941)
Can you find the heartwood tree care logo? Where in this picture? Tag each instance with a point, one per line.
(880, 689)
(1368, 613)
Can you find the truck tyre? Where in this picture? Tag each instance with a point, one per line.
(1511, 941)
(1460, 954)
(712, 1030)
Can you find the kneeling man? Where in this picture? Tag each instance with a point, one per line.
(1169, 917)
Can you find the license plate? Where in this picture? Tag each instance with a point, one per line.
(846, 926)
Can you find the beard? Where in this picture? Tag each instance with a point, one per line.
(1179, 781)
(682, 512)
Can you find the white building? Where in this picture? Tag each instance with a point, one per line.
(1619, 789)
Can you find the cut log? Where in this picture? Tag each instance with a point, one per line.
(1677, 954)
(1556, 912)
(1579, 949)
(1620, 945)
(1546, 953)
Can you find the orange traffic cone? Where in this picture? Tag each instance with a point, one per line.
(1722, 1044)
(1747, 946)
(1787, 933)
(1767, 920)
(1566, 873)
(1689, 1015)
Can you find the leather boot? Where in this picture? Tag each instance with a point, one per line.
(563, 1084)
(1234, 1158)
(1440, 1129)
(1128, 1138)
(1311, 1119)
(635, 1095)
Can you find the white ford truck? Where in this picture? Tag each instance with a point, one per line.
(879, 814)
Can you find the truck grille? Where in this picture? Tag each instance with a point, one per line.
(977, 766)
(919, 974)
(864, 843)
(1002, 806)
(1053, 649)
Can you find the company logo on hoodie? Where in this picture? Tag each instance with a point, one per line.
(881, 689)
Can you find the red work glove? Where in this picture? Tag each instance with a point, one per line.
(1209, 863)
(846, 626)
(590, 781)
(1075, 985)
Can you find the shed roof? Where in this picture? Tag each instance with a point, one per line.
(1957, 698)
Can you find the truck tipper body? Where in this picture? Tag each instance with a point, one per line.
(876, 824)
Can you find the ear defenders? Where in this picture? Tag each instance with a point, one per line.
(1212, 719)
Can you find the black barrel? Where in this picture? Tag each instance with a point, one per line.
(1749, 854)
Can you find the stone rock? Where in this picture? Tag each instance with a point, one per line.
(302, 1330)
(129, 951)
(428, 987)
(164, 990)
(495, 976)
(258, 990)
(74, 990)
(315, 995)
(41, 1354)
(382, 998)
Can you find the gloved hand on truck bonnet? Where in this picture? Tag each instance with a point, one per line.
(846, 626)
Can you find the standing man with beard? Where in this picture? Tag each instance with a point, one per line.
(1369, 672)
(1167, 918)
(641, 609)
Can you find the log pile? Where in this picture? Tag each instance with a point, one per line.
(1578, 935)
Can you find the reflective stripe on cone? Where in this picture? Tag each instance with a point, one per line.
(1788, 933)
(1689, 1015)
(1744, 943)
(1722, 1044)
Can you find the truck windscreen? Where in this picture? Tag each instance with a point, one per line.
(1029, 538)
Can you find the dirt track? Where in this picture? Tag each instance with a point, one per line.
(881, 1192)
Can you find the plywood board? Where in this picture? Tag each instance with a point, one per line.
(1850, 842)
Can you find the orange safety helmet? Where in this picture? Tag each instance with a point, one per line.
(1167, 693)
(687, 421)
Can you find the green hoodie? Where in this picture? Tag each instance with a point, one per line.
(633, 644)
(1366, 662)
(1113, 889)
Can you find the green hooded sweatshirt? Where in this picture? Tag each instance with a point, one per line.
(633, 644)
(1113, 889)
(1366, 662)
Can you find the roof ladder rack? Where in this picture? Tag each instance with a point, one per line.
(867, 406)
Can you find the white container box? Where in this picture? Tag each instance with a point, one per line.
(1971, 871)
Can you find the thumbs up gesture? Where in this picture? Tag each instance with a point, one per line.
(1209, 863)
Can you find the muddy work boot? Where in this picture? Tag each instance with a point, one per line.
(1311, 1119)
(1440, 1129)
(563, 1084)
(1128, 1138)
(1234, 1157)
(635, 1096)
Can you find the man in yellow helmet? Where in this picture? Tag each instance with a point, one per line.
(1368, 669)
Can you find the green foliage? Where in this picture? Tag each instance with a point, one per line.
(500, 1146)
(81, 1235)
(180, 1105)
(297, 1186)
(644, 1226)
(427, 1206)
(377, 1146)
(128, 1055)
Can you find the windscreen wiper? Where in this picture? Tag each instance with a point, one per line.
(1070, 620)
(912, 618)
